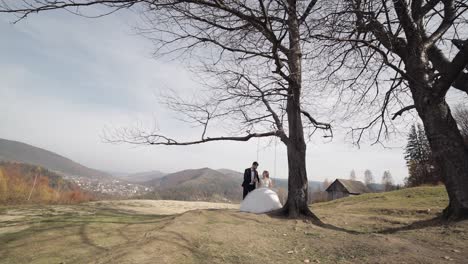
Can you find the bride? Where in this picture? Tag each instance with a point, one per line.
(262, 199)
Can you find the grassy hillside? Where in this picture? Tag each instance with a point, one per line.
(95, 233)
(405, 201)
(24, 153)
(379, 210)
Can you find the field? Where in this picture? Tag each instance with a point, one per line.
(394, 227)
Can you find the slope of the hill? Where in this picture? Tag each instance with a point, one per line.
(401, 207)
(362, 229)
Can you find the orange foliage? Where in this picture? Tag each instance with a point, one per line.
(17, 186)
(3, 186)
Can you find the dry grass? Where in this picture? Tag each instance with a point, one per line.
(377, 228)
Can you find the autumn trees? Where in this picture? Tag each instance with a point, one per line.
(3, 187)
(17, 186)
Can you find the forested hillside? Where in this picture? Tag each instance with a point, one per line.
(23, 183)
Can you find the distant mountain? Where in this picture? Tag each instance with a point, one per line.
(283, 183)
(376, 187)
(24, 153)
(187, 177)
(198, 184)
(206, 184)
(142, 176)
(279, 182)
(232, 173)
(117, 174)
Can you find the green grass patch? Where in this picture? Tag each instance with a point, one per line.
(395, 202)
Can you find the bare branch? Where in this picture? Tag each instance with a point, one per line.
(317, 124)
(156, 139)
(401, 111)
(49, 5)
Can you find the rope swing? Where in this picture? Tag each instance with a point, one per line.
(274, 168)
(258, 147)
(275, 155)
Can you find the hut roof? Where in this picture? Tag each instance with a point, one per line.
(353, 187)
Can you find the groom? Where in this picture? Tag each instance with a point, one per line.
(250, 178)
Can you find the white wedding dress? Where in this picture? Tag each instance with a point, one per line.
(261, 200)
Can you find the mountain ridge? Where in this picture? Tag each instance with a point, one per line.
(142, 177)
(11, 150)
(203, 184)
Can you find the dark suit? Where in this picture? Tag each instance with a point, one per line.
(247, 180)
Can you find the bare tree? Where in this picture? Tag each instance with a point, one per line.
(252, 55)
(414, 51)
(352, 175)
(325, 184)
(387, 181)
(368, 177)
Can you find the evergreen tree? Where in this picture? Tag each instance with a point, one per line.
(419, 159)
(417, 148)
(461, 116)
(425, 149)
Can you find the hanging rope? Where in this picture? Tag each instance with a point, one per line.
(276, 143)
(258, 147)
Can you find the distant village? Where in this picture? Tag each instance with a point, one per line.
(114, 187)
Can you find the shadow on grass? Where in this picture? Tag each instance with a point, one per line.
(433, 222)
(420, 224)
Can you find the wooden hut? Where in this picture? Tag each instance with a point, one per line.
(343, 188)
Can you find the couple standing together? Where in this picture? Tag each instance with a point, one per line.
(258, 195)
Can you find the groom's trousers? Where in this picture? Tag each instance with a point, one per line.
(248, 189)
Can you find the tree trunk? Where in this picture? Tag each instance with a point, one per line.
(447, 145)
(451, 156)
(296, 204)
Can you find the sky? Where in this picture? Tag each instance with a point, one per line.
(64, 80)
